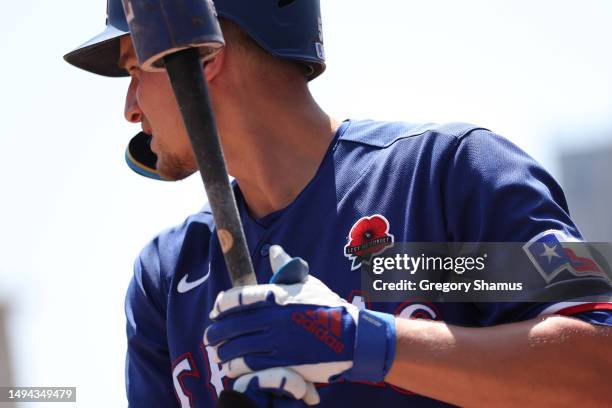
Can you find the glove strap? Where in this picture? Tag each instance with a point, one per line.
(374, 346)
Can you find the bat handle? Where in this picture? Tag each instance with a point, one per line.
(187, 79)
(234, 399)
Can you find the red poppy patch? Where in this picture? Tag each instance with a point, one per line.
(369, 236)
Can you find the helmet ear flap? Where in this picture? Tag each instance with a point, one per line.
(140, 158)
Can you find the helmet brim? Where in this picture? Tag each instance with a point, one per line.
(100, 55)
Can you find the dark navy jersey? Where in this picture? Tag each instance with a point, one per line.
(428, 183)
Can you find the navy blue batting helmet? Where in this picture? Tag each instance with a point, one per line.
(288, 29)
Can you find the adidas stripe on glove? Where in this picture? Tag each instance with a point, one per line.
(298, 322)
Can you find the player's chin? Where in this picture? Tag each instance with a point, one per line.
(173, 169)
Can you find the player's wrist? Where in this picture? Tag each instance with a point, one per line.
(375, 343)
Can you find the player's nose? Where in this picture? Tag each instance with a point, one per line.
(132, 110)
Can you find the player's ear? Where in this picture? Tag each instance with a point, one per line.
(213, 67)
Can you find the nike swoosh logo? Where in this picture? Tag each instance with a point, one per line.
(184, 286)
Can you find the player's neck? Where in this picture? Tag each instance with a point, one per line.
(275, 150)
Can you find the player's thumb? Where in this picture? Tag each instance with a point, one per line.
(286, 270)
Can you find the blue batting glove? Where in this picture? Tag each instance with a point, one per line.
(298, 322)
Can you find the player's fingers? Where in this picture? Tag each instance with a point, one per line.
(253, 344)
(243, 297)
(234, 326)
(235, 368)
(281, 381)
(321, 372)
(311, 397)
(251, 362)
(212, 353)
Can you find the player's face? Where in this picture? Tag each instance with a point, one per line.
(150, 101)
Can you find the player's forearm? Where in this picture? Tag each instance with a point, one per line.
(545, 361)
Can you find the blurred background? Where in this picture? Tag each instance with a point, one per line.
(73, 217)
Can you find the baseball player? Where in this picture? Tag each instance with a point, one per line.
(312, 187)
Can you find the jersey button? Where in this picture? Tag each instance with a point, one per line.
(265, 250)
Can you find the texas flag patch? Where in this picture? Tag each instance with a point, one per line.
(553, 252)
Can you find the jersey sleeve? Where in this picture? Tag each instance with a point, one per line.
(495, 192)
(148, 368)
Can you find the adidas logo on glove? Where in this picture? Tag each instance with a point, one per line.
(320, 323)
